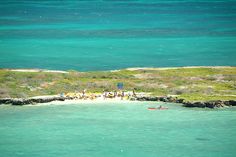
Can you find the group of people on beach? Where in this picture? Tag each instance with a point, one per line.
(84, 95)
(118, 94)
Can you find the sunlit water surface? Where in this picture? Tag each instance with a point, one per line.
(116, 129)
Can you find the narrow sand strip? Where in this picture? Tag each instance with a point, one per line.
(37, 70)
(131, 69)
(81, 101)
(186, 67)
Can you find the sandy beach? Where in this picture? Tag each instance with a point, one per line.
(167, 68)
(130, 69)
(37, 70)
(81, 101)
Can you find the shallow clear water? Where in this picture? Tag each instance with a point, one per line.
(113, 34)
(116, 129)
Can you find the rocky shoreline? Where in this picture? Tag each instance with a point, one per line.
(27, 101)
(210, 104)
(199, 104)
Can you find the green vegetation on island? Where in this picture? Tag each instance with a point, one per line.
(192, 84)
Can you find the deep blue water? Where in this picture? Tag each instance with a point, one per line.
(113, 34)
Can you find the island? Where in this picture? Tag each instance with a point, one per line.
(206, 86)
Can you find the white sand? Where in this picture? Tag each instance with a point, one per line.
(166, 68)
(37, 70)
(131, 69)
(81, 101)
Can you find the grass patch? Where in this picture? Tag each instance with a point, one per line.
(192, 84)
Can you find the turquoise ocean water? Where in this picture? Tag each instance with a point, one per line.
(113, 34)
(116, 130)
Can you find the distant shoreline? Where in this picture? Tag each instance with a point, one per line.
(184, 67)
(130, 69)
(37, 70)
(198, 86)
(57, 100)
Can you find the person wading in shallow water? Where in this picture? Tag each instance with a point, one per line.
(162, 108)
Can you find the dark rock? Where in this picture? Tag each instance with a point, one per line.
(5, 101)
(179, 100)
(226, 103)
(141, 99)
(164, 99)
(199, 104)
(232, 102)
(20, 101)
(152, 98)
(188, 104)
(194, 104)
(17, 101)
(145, 98)
(219, 103)
(214, 104)
(209, 104)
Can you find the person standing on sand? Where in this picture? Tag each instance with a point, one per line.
(134, 94)
(83, 93)
(104, 94)
(122, 95)
(115, 94)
